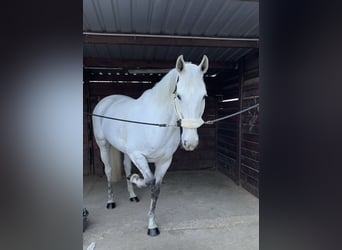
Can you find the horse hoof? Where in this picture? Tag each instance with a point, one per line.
(153, 232)
(136, 199)
(110, 205)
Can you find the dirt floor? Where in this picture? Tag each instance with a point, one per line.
(196, 210)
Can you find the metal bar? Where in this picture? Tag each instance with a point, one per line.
(166, 40)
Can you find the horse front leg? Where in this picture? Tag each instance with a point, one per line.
(152, 226)
(161, 168)
(141, 163)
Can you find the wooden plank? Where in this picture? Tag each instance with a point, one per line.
(250, 101)
(227, 138)
(250, 145)
(251, 154)
(226, 159)
(251, 90)
(250, 172)
(250, 137)
(251, 163)
(246, 128)
(226, 134)
(252, 73)
(226, 147)
(250, 115)
(250, 121)
(252, 81)
(226, 152)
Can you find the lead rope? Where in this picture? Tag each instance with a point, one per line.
(210, 122)
(132, 121)
(231, 115)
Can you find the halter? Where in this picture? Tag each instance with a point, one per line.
(186, 123)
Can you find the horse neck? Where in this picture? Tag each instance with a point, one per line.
(162, 92)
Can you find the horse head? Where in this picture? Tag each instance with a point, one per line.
(189, 98)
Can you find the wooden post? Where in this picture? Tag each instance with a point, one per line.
(239, 123)
(90, 131)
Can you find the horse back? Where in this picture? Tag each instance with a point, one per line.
(102, 108)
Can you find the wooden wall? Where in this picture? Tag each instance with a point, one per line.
(227, 130)
(250, 150)
(238, 138)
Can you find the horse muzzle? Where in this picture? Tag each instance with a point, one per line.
(189, 139)
(190, 123)
(189, 146)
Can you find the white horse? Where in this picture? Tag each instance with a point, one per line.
(178, 98)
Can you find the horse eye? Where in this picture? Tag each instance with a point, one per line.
(179, 98)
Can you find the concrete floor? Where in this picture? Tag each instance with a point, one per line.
(196, 210)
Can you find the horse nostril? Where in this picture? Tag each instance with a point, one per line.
(184, 143)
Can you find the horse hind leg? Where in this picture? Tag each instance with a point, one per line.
(128, 168)
(104, 152)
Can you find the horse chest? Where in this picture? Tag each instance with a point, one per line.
(162, 150)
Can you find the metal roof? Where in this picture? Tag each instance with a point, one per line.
(203, 18)
(220, 18)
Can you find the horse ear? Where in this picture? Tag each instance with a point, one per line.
(204, 65)
(180, 64)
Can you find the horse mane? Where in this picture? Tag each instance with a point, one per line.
(164, 88)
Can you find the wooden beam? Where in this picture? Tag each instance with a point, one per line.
(139, 64)
(87, 76)
(164, 40)
(105, 77)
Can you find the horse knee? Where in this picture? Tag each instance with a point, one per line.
(155, 190)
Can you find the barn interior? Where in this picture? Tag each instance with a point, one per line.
(128, 47)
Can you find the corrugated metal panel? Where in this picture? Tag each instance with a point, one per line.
(219, 18)
(173, 17)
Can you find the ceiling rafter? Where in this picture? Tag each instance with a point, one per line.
(166, 40)
(141, 64)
